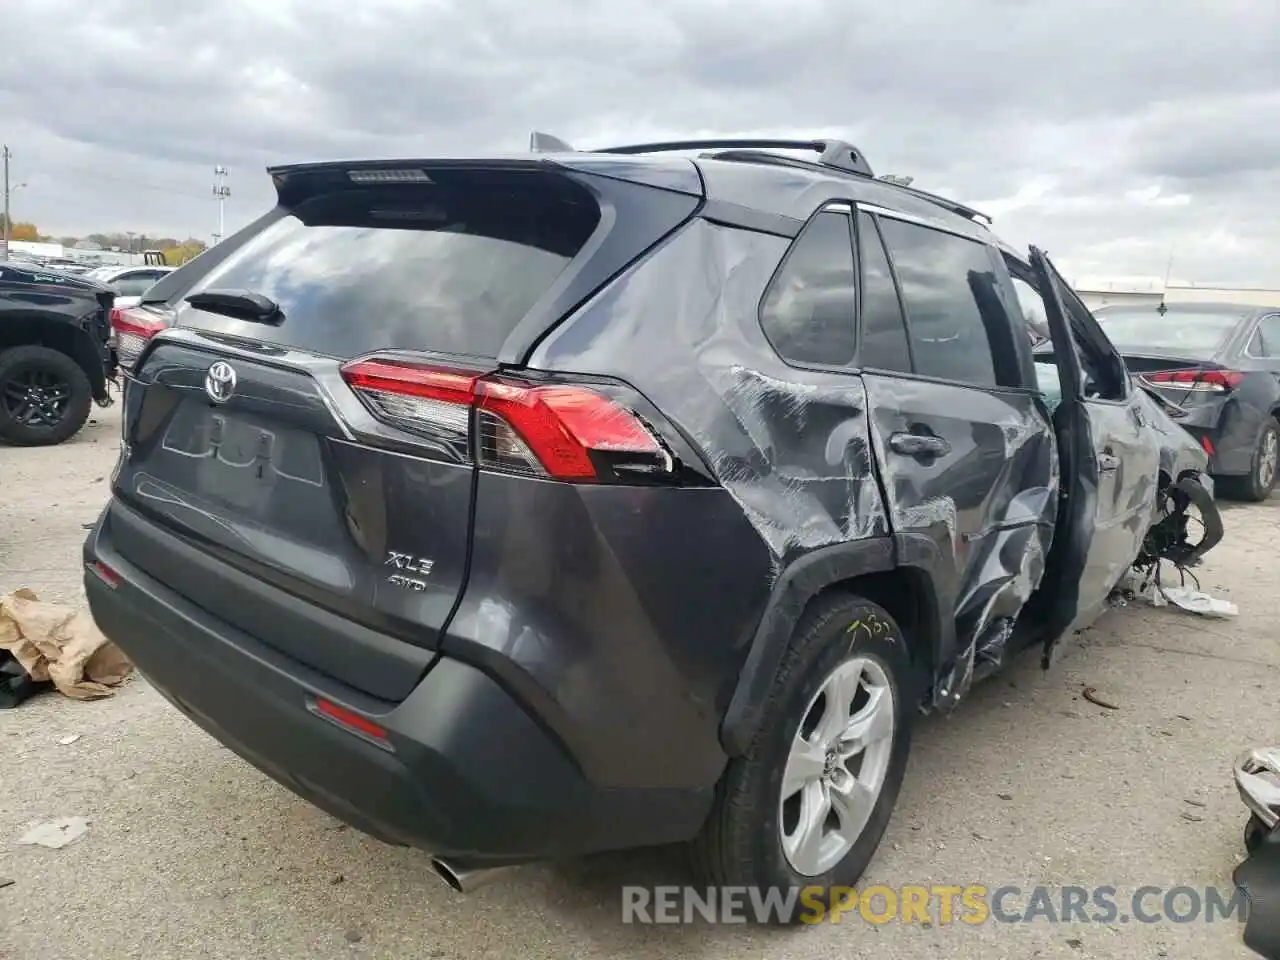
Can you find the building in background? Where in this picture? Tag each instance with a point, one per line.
(1099, 292)
(30, 248)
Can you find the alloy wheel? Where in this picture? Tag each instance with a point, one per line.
(36, 397)
(837, 765)
(1268, 458)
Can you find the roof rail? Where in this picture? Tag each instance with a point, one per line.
(836, 154)
(833, 154)
(950, 205)
(759, 156)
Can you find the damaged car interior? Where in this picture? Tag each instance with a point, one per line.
(751, 461)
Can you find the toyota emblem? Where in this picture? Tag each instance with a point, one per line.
(220, 382)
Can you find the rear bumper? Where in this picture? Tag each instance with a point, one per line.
(1232, 433)
(468, 772)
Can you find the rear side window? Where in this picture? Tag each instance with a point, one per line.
(807, 312)
(952, 322)
(884, 334)
(451, 269)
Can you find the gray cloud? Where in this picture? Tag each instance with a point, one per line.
(1110, 134)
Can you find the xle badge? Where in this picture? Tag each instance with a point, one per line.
(408, 564)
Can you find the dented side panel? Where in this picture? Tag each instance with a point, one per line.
(807, 454)
(792, 446)
(1179, 452)
(1128, 454)
(986, 507)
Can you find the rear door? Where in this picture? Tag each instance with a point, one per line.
(324, 449)
(1110, 460)
(965, 447)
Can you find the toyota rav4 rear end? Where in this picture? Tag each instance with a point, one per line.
(454, 601)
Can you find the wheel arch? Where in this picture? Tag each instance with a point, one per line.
(868, 568)
(53, 331)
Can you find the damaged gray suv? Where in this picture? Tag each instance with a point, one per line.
(521, 507)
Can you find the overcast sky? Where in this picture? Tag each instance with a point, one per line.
(1110, 133)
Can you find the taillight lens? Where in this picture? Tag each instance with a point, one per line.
(130, 331)
(559, 431)
(1199, 381)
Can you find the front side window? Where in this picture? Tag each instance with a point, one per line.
(954, 317)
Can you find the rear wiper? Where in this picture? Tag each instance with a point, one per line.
(242, 304)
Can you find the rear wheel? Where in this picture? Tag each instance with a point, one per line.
(44, 396)
(1264, 466)
(808, 804)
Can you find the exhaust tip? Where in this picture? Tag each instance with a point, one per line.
(448, 875)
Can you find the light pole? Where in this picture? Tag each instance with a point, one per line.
(7, 225)
(220, 192)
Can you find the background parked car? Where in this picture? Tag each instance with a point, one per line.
(129, 284)
(54, 359)
(1221, 363)
(130, 281)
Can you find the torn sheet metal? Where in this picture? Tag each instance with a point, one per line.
(59, 644)
(792, 446)
(988, 506)
(801, 450)
(1179, 451)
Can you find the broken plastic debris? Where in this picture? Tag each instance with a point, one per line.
(1194, 601)
(1257, 774)
(1148, 587)
(68, 740)
(56, 833)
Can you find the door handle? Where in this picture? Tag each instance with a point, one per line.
(1108, 462)
(918, 445)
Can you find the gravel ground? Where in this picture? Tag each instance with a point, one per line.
(192, 853)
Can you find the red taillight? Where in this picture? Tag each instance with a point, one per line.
(131, 329)
(549, 430)
(1208, 446)
(1209, 381)
(351, 720)
(105, 573)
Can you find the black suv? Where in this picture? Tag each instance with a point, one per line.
(55, 361)
(522, 507)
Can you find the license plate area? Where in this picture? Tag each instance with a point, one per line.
(240, 460)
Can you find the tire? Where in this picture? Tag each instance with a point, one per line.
(742, 843)
(1257, 485)
(65, 388)
(1255, 831)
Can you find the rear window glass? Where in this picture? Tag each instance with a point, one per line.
(410, 268)
(1179, 331)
